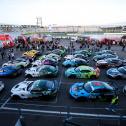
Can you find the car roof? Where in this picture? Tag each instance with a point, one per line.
(85, 68)
(99, 85)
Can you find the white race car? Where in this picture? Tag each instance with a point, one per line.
(37, 63)
(34, 89)
(69, 57)
(19, 62)
(44, 70)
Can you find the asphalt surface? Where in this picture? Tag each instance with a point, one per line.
(53, 112)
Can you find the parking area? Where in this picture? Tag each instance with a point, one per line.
(62, 102)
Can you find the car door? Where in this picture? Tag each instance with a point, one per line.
(35, 93)
(42, 71)
(95, 93)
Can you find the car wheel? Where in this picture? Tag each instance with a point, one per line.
(15, 74)
(68, 65)
(72, 76)
(93, 77)
(28, 75)
(15, 97)
(22, 66)
(81, 99)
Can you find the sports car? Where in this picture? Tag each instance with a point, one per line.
(19, 62)
(110, 62)
(105, 52)
(117, 72)
(75, 56)
(92, 90)
(59, 52)
(34, 89)
(84, 52)
(9, 71)
(74, 62)
(50, 61)
(1, 86)
(37, 63)
(104, 56)
(31, 53)
(44, 70)
(82, 72)
(51, 55)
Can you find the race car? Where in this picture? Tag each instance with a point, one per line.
(84, 52)
(44, 70)
(9, 71)
(34, 89)
(104, 56)
(31, 53)
(92, 90)
(37, 63)
(74, 62)
(110, 62)
(50, 61)
(117, 72)
(51, 55)
(19, 62)
(82, 72)
(75, 56)
(59, 52)
(105, 52)
(1, 86)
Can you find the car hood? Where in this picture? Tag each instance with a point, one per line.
(32, 69)
(113, 71)
(22, 86)
(101, 61)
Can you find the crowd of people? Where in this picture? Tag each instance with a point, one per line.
(22, 45)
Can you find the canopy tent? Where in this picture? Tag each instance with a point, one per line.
(6, 41)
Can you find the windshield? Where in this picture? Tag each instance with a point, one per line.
(122, 70)
(87, 87)
(29, 86)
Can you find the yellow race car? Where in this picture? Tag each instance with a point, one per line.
(31, 53)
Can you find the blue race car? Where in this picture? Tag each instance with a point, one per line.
(117, 72)
(92, 90)
(74, 62)
(9, 71)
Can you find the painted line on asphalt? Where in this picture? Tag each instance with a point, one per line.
(65, 113)
(5, 102)
(38, 105)
(82, 108)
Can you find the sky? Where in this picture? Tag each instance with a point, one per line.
(63, 12)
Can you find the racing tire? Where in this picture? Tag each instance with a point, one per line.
(28, 75)
(68, 66)
(15, 97)
(22, 66)
(72, 76)
(93, 77)
(81, 99)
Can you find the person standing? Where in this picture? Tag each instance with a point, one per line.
(114, 103)
(12, 55)
(9, 56)
(2, 54)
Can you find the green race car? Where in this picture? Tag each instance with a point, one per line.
(82, 72)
